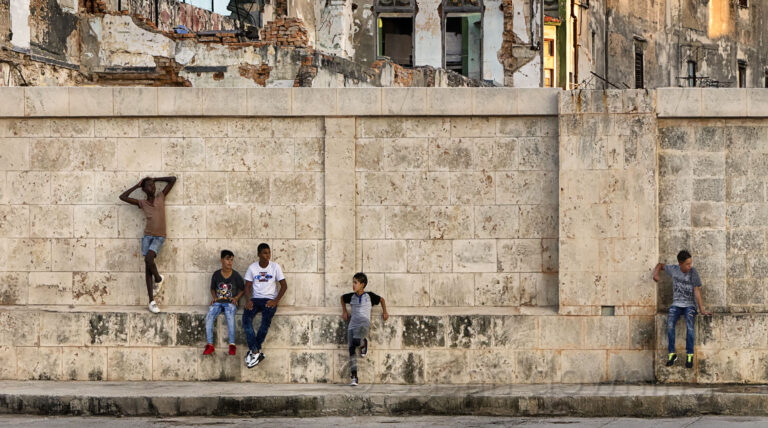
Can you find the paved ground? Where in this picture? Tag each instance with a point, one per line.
(365, 422)
(231, 399)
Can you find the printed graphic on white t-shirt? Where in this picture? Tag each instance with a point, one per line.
(264, 279)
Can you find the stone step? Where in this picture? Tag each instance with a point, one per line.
(237, 399)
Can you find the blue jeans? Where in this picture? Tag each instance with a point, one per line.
(255, 340)
(154, 243)
(690, 321)
(214, 311)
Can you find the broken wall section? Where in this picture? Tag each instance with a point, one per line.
(171, 13)
(520, 52)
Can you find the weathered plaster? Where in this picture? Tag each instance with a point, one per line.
(123, 43)
(365, 29)
(428, 46)
(493, 30)
(334, 29)
(529, 75)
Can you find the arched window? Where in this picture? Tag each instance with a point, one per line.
(463, 37)
(394, 24)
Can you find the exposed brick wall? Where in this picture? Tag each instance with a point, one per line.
(286, 32)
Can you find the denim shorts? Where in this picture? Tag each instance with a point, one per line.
(154, 243)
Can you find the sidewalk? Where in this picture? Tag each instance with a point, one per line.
(305, 400)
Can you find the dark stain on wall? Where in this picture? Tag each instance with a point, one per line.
(50, 27)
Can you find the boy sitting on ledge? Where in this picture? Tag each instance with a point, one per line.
(686, 285)
(226, 289)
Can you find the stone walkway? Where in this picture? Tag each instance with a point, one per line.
(312, 400)
(384, 421)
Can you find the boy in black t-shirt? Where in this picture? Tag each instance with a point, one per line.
(226, 289)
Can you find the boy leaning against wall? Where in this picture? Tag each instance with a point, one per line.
(154, 231)
(686, 294)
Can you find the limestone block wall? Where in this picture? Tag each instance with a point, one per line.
(451, 210)
(712, 201)
(449, 206)
(459, 211)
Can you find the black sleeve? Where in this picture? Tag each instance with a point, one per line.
(375, 298)
(347, 297)
(213, 280)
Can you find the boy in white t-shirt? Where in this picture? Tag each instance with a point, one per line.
(261, 292)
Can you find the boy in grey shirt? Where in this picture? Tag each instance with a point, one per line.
(686, 285)
(360, 303)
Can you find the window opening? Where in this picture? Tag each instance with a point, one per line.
(742, 74)
(639, 78)
(549, 63)
(691, 73)
(396, 39)
(463, 43)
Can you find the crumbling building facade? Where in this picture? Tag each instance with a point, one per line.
(650, 44)
(363, 43)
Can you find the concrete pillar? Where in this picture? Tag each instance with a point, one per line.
(339, 205)
(20, 24)
(334, 29)
(427, 32)
(493, 30)
(608, 207)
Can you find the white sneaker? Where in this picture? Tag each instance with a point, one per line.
(153, 307)
(255, 360)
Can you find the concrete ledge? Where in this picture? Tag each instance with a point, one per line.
(236, 399)
(105, 102)
(12, 104)
(712, 102)
(194, 102)
(757, 102)
(678, 102)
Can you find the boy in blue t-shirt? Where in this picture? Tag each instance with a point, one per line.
(686, 293)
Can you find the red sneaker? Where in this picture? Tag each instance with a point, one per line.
(232, 349)
(209, 349)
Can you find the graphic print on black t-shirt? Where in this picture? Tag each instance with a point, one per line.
(223, 291)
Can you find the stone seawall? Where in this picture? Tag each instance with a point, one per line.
(511, 231)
